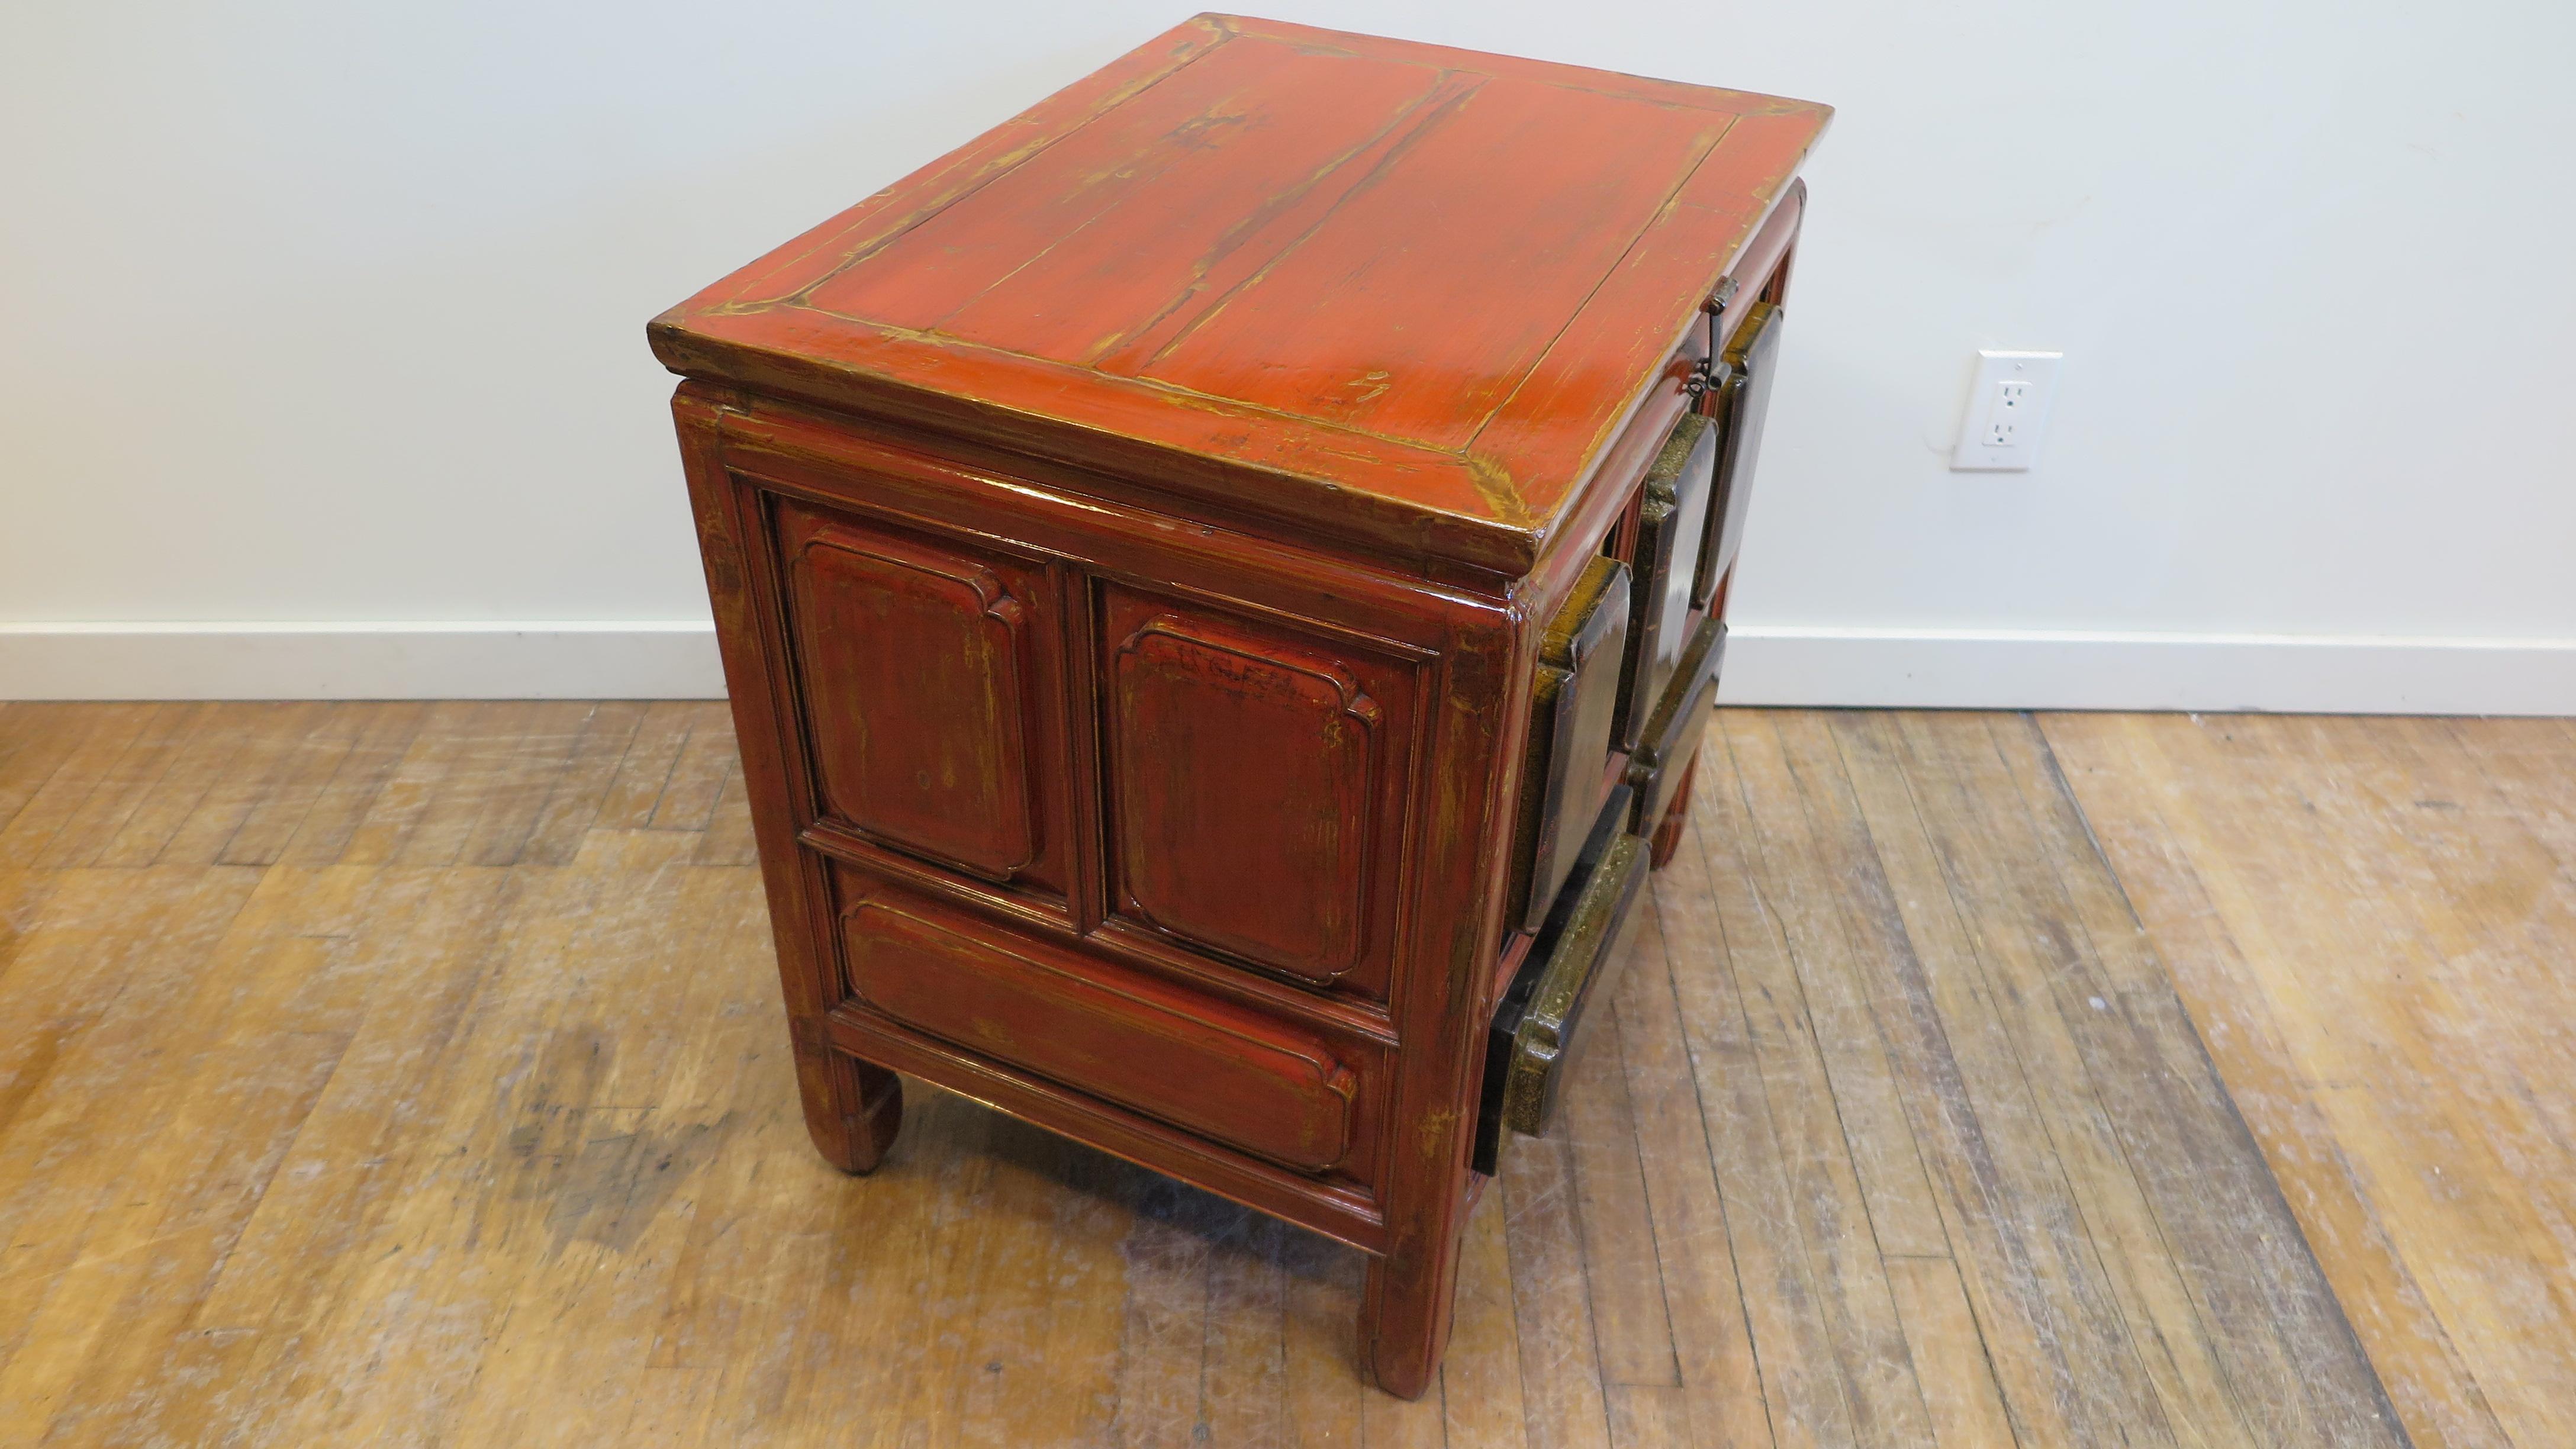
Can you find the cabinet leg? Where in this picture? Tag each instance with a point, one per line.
(1404, 1318)
(1668, 831)
(852, 1108)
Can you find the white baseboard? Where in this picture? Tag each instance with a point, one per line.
(549, 660)
(2029, 669)
(1765, 664)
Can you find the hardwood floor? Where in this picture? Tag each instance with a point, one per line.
(412, 1074)
(2374, 922)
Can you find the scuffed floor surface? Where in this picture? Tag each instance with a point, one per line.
(413, 1074)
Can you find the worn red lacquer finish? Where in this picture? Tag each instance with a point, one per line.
(1134, 538)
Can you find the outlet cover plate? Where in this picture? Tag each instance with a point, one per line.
(2007, 412)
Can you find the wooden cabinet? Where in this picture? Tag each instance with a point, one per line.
(1220, 580)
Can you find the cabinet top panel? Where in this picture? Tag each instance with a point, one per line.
(1393, 295)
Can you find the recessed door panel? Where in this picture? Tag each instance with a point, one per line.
(1256, 783)
(915, 664)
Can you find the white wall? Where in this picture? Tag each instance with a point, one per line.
(322, 318)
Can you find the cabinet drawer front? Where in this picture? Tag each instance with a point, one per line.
(1198, 1063)
(1572, 967)
(1256, 789)
(1673, 731)
(1743, 396)
(916, 673)
(1671, 525)
(1574, 706)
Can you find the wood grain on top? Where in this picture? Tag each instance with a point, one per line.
(1398, 294)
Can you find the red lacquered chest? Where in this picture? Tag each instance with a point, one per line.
(1220, 580)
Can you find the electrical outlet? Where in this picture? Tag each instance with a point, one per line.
(2007, 412)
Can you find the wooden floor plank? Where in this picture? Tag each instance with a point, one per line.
(744, 1323)
(1551, 1299)
(124, 786)
(1482, 1405)
(644, 770)
(15, 729)
(1042, 1363)
(323, 830)
(890, 1250)
(1794, 758)
(555, 730)
(273, 740)
(1959, 1390)
(458, 1108)
(101, 1225)
(22, 905)
(199, 764)
(505, 1172)
(1419, 1424)
(2278, 1345)
(2525, 766)
(316, 1226)
(272, 806)
(1649, 1416)
(1803, 960)
(573, 804)
(728, 839)
(435, 762)
(1723, 930)
(1322, 1393)
(40, 737)
(2254, 860)
(689, 796)
(97, 740)
(2063, 1354)
(2479, 1033)
(1162, 1343)
(1631, 1329)
(2034, 964)
(1712, 1344)
(292, 1000)
(603, 1131)
(488, 754)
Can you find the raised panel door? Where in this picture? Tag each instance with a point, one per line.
(1256, 785)
(920, 676)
